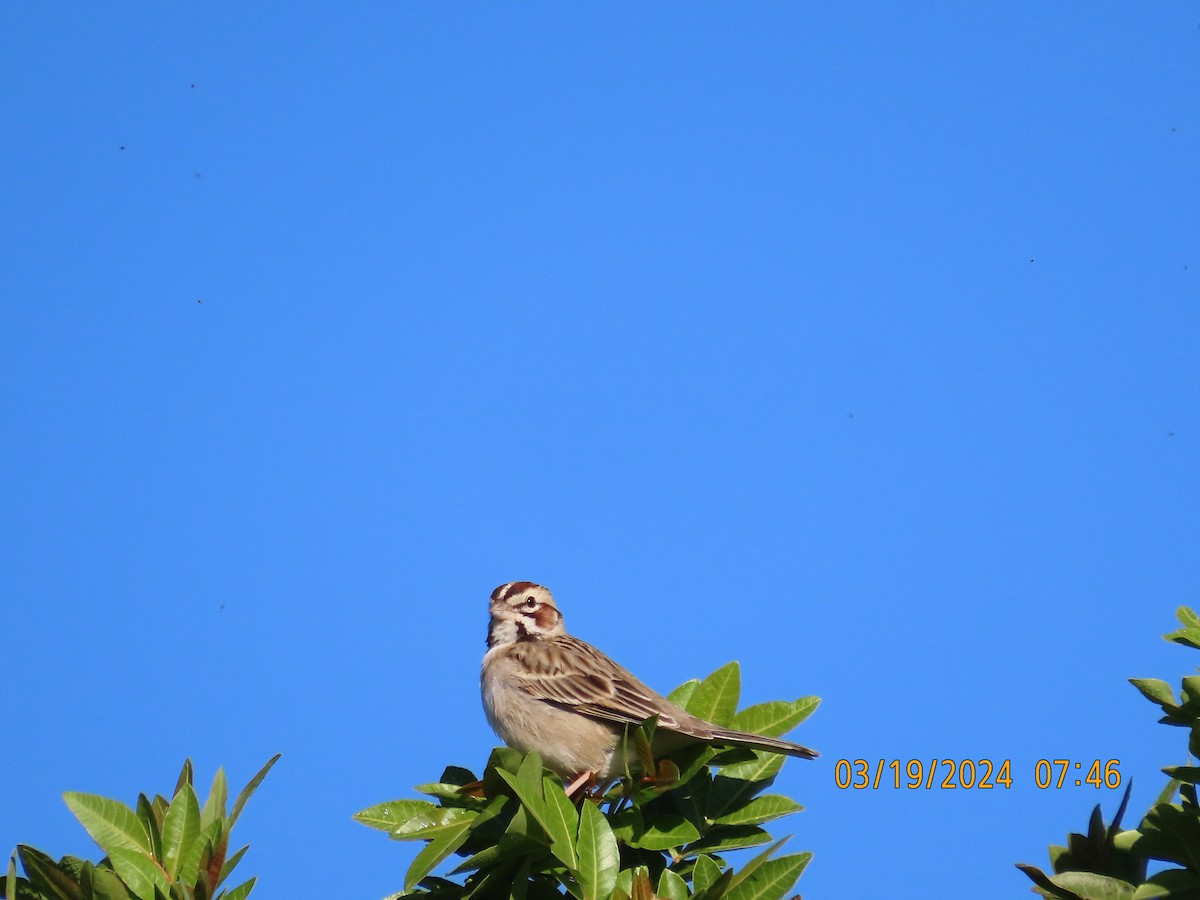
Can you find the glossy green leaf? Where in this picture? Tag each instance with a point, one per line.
(1172, 883)
(422, 828)
(511, 846)
(213, 837)
(705, 873)
(250, 788)
(772, 879)
(759, 810)
(242, 891)
(664, 831)
(139, 872)
(1091, 886)
(396, 813)
(683, 694)
(47, 876)
(185, 776)
(691, 760)
(766, 765)
(10, 881)
(1155, 690)
(526, 782)
(721, 838)
(1189, 634)
(561, 821)
(112, 824)
(547, 803)
(716, 698)
(624, 885)
(445, 843)
(598, 858)
(107, 886)
(150, 822)
(746, 871)
(777, 717)
(181, 827)
(218, 797)
(731, 794)
(231, 863)
(671, 886)
(1190, 774)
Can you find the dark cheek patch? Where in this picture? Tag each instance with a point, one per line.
(546, 617)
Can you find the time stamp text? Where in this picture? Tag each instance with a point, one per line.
(973, 774)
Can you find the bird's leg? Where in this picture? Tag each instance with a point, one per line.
(583, 780)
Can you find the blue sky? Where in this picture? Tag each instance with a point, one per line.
(857, 344)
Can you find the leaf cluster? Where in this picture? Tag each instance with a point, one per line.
(160, 850)
(664, 835)
(1109, 863)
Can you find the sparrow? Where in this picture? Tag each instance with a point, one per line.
(545, 690)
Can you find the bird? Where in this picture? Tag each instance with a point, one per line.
(546, 690)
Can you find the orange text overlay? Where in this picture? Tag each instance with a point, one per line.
(973, 774)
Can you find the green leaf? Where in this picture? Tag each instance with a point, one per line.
(423, 828)
(395, 813)
(731, 794)
(775, 718)
(250, 788)
(561, 822)
(231, 863)
(149, 819)
(181, 827)
(112, 824)
(759, 810)
(716, 699)
(718, 889)
(10, 881)
(47, 876)
(1173, 883)
(1091, 886)
(218, 797)
(502, 759)
(1190, 774)
(449, 788)
(598, 857)
(107, 886)
(671, 886)
(682, 694)
(729, 837)
(545, 800)
(665, 831)
(449, 840)
(757, 862)
(1155, 690)
(511, 846)
(1189, 634)
(691, 760)
(1170, 833)
(185, 776)
(765, 766)
(202, 851)
(242, 891)
(705, 873)
(142, 874)
(772, 879)
(527, 783)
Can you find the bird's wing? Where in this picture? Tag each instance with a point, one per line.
(569, 673)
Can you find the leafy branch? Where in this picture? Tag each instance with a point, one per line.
(665, 836)
(161, 850)
(1109, 863)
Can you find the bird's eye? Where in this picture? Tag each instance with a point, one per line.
(530, 602)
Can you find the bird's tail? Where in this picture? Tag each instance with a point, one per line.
(761, 742)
